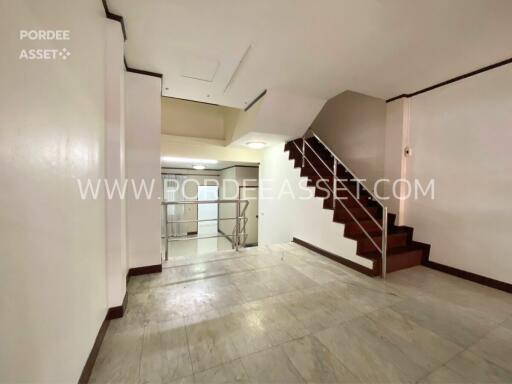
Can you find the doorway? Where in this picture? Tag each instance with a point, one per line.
(208, 212)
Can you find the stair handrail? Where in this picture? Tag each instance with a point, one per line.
(343, 184)
(357, 180)
(384, 227)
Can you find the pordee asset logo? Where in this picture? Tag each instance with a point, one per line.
(44, 53)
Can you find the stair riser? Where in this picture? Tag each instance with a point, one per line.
(401, 261)
(394, 241)
(347, 201)
(342, 216)
(354, 229)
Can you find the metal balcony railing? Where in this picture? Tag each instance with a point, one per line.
(238, 235)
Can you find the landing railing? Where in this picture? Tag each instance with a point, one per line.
(238, 236)
(383, 225)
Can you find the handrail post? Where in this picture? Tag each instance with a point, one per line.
(237, 225)
(166, 233)
(334, 184)
(303, 151)
(384, 240)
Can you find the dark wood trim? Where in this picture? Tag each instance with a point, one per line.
(461, 77)
(113, 16)
(145, 270)
(119, 18)
(487, 281)
(241, 166)
(337, 258)
(188, 174)
(142, 72)
(212, 170)
(91, 359)
(192, 233)
(192, 101)
(118, 312)
(189, 169)
(255, 100)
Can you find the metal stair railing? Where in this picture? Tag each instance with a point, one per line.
(333, 171)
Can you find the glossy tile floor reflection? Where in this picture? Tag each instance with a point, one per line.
(283, 314)
(193, 251)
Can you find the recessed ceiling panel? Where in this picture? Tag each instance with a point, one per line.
(198, 67)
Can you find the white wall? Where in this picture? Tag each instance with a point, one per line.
(115, 162)
(286, 210)
(143, 119)
(52, 243)
(395, 141)
(353, 125)
(460, 135)
(187, 118)
(179, 146)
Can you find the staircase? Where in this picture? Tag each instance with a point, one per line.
(356, 208)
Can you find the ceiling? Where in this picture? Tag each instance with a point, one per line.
(317, 48)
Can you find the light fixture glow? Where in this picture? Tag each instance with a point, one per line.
(199, 167)
(169, 159)
(256, 144)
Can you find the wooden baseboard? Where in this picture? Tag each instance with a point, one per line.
(337, 258)
(112, 313)
(118, 312)
(145, 270)
(89, 364)
(487, 281)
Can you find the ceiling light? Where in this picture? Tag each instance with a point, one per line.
(199, 167)
(256, 144)
(169, 159)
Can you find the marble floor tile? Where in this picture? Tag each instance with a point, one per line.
(496, 347)
(165, 356)
(461, 325)
(316, 309)
(362, 296)
(232, 372)
(211, 352)
(118, 360)
(474, 369)
(367, 355)
(183, 380)
(271, 366)
(443, 375)
(507, 324)
(419, 344)
(315, 363)
(284, 314)
(274, 319)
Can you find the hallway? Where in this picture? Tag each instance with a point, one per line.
(285, 314)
